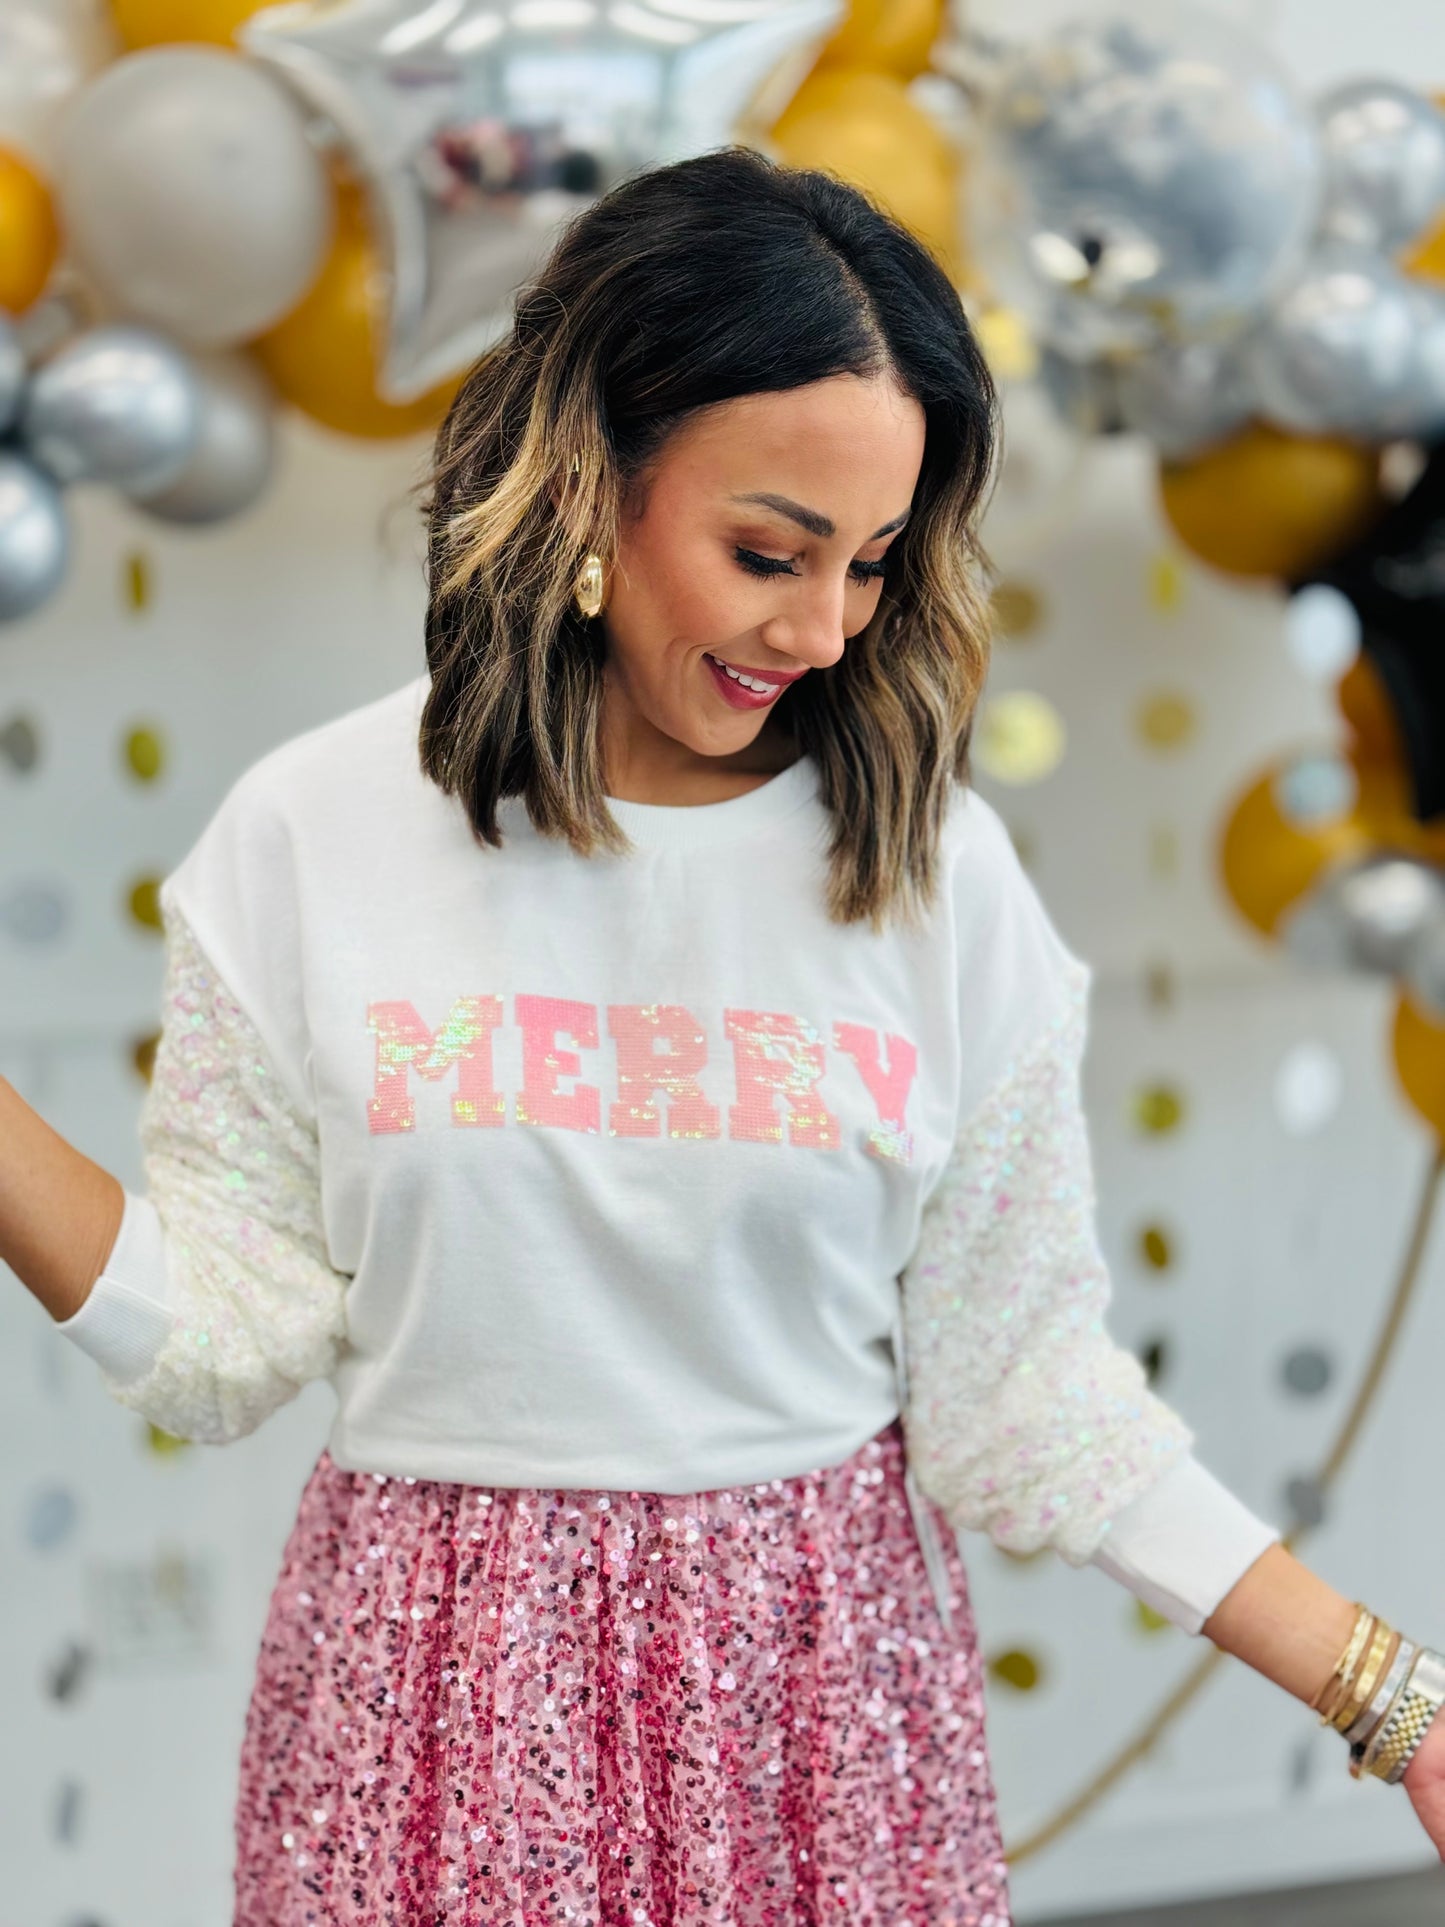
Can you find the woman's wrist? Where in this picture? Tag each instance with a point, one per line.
(1284, 1621)
(1381, 1689)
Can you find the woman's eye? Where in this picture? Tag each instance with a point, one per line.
(756, 564)
(765, 565)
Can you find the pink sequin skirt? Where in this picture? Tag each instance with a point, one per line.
(502, 1707)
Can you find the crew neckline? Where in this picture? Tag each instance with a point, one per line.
(679, 825)
(756, 810)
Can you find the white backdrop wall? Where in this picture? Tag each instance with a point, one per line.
(133, 1583)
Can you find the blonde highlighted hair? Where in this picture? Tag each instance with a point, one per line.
(684, 287)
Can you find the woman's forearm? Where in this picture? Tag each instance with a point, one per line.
(1284, 1621)
(60, 1212)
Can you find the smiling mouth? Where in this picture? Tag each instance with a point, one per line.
(761, 685)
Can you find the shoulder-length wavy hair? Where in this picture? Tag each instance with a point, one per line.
(685, 286)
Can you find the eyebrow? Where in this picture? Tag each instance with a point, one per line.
(810, 519)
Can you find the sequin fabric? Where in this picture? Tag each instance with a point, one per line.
(234, 1175)
(616, 1709)
(1026, 1420)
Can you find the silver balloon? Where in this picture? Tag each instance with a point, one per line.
(1427, 407)
(235, 448)
(12, 371)
(1354, 347)
(1384, 147)
(1423, 967)
(1183, 398)
(479, 130)
(34, 536)
(118, 404)
(1364, 914)
(1144, 176)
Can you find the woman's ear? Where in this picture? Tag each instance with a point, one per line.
(559, 487)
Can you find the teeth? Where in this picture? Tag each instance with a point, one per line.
(748, 682)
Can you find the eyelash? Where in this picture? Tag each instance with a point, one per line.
(765, 565)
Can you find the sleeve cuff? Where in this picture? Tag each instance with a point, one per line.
(127, 1317)
(1183, 1543)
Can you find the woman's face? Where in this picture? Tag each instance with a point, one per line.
(758, 544)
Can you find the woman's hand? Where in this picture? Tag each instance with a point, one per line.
(1424, 1781)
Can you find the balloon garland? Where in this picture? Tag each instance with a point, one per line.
(194, 234)
(231, 206)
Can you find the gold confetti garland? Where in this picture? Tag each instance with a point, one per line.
(1073, 1810)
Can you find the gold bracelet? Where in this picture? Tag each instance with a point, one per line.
(1339, 1700)
(1363, 1689)
(1344, 1665)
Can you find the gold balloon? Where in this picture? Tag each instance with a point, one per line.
(1267, 862)
(1418, 1049)
(1385, 810)
(1008, 344)
(1365, 704)
(865, 127)
(150, 23)
(1427, 257)
(1267, 503)
(29, 236)
(322, 357)
(895, 35)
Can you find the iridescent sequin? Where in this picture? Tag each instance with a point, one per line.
(234, 1174)
(617, 1709)
(1026, 1419)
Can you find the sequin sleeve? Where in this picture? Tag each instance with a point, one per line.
(228, 1244)
(1025, 1419)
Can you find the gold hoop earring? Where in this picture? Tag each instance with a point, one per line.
(588, 593)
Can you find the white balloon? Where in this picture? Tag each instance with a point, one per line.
(1322, 631)
(1308, 1087)
(191, 195)
(48, 49)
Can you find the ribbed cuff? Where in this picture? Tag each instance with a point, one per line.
(127, 1318)
(1182, 1544)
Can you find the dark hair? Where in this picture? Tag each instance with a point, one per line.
(683, 287)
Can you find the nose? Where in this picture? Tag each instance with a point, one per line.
(810, 629)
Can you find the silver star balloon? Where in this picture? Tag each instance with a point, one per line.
(480, 128)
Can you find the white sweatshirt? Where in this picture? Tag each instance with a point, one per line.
(635, 1172)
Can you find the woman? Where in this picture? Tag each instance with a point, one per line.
(631, 1063)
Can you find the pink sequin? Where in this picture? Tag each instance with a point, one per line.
(616, 1709)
